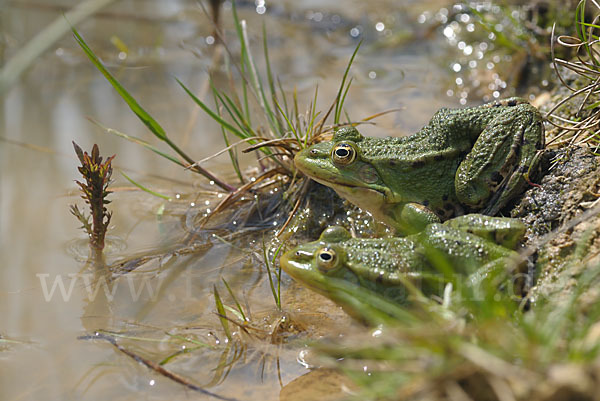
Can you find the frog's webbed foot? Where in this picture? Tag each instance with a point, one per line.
(494, 171)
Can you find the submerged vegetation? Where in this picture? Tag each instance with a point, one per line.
(458, 346)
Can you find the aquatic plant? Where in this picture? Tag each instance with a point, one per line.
(94, 191)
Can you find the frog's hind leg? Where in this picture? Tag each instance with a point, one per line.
(503, 231)
(493, 172)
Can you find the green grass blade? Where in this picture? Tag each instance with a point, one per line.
(580, 26)
(271, 284)
(348, 119)
(275, 256)
(236, 312)
(174, 355)
(243, 58)
(232, 152)
(283, 96)
(313, 116)
(139, 142)
(143, 188)
(579, 19)
(233, 113)
(212, 114)
(255, 80)
(236, 114)
(237, 304)
(296, 110)
(288, 122)
(221, 312)
(344, 96)
(7, 341)
(339, 103)
(152, 125)
(596, 26)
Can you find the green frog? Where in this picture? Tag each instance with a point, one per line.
(464, 160)
(474, 245)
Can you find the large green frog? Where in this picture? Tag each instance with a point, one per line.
(465, 160)
(473, 159)
(474, 245)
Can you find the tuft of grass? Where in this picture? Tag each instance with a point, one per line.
(283, 129)
(277, 131)
(581, 127)
(94, 191)
(483, 345)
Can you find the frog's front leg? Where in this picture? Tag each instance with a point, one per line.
(493, 172)
(409, 218)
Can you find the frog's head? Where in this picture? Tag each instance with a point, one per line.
(339, 267)
(313, 264)
(342, 165)
(310, 263)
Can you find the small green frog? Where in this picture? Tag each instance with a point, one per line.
(464, 160)
(385, 265)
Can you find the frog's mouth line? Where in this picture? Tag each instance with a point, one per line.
(298, 272)
(308, 167)
(347, 187)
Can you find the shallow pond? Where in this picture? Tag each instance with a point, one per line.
(167, 306)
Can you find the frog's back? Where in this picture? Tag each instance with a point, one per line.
(450, 133)
(383, 260)
(419, 168)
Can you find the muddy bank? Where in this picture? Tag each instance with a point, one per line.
(562, 218)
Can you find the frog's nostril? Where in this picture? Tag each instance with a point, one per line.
(313, 151)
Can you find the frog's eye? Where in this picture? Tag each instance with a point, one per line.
(343, 154)
(327, 259)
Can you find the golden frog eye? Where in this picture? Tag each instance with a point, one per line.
(343, 154)
(327, 259)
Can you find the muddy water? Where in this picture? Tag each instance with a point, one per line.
(47, 297)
